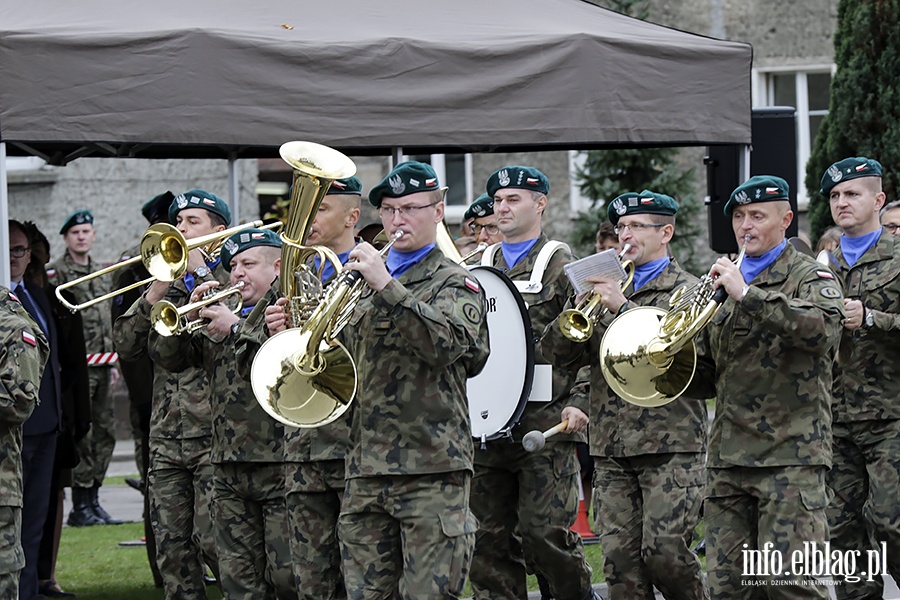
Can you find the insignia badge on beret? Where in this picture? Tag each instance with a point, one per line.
(479, 211)
(619, 207)
(503, 177)
(181, 201)
(230, 246)
(835, 173)
(80, 219)
(397, 185)
(758, 193)
(742, 197)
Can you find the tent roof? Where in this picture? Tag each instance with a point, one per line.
(213, 78)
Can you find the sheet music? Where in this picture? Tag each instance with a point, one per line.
(604, 263)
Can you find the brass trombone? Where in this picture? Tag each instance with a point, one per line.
(164, 252)
(578, 323)
(168, 319)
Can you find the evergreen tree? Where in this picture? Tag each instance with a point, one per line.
(864, 111)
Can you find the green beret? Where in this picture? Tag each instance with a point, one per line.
(482, 207)
(247, 238)
(156, 209)
(514, 176)
(406, 178)
(79, 217)
(759, 188)
(346, 187)
(199, 199)
(849, 168)
(645, 203)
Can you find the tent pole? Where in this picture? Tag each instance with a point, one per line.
(396, 156)
(4, 219)
(233, 196)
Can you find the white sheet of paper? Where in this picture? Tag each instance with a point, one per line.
(605, 264)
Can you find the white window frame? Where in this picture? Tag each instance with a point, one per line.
(453, 214)
(763, 94)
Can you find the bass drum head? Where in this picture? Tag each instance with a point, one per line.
(498, 394)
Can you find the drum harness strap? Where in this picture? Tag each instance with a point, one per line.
(535, 284)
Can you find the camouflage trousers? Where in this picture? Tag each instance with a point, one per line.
(755, 515)
(865, 512)
(12, 557)
(181, 488)
(406, 536)
(648, 507)
(251, 528)
(535, 496)
(313, 498)
(96, 448)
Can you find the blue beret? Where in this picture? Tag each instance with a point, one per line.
(156, 209)
(247, 238)
(849, 168)
(482, 207)
(647, 202)
(346, 187)
(79, 217)
(199, 199)
(759, 188)
(406, 178)
(515, 176)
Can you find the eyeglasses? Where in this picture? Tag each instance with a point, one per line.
(19, 251)
(635, 227)
(476, 228)
(892, 227)
(404, 211)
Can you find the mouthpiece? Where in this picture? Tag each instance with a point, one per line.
(533, 441)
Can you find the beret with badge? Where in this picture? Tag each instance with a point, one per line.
(757, 189)
(645, 203)
(349, 186)
(156, 209)
(847, 169)
(247, 238)
(482, 207)
(79, 217)
(199, 199)
(519, 177)
(406, 178)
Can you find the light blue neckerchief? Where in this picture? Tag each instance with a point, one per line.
(513, 253)
(649, 271)
(400, 262)
(754, 265)
(854, 247)
(328, 271)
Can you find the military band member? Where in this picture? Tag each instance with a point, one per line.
(336, 220)
(484, 221)
(890, 217)
(865, 475)
(96, 448)
(773, 344)
(534, 494)
(648, 462)
(416, 335)
(23, 354)
(180, 473)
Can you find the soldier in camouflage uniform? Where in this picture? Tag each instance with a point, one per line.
(416, 335)
(249, 517)
(648, 462)
(865, 475)
(773, 343)
(23, 353)
(96, 448)
(513, 490)
(180, 475)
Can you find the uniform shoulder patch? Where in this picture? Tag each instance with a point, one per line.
(830, 292)
(825, 274)
(29, 339)
(14, 298)
(51, 272)
(472, 284)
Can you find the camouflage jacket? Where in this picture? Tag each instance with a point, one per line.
(97, 322)
(773, 355)
(869, 359)
(181, 400)
(23, 353)
(415, 343)
(301, 445)
(544, 308)
(619, 428)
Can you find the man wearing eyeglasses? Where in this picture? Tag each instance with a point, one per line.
(516, 493)
(417, 334)
(890, 217)
(648, 462)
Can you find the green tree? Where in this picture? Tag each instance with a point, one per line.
(864, 111)
(608, 173)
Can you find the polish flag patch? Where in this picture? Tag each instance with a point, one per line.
(339, 185)
(209, 202)
(772, 190)
(29, 338)
(825, 274)
(532, 180)
(14, 298)
(473, 285)
(861, 168)
(646, 200)
(51, 272)
(257, 236)
(430, 182)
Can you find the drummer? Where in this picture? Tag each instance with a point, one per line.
(536, 493)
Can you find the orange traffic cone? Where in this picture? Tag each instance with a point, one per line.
(582, 524)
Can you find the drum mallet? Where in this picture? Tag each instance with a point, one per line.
(535, 440)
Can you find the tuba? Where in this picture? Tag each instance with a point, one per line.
(648, 356)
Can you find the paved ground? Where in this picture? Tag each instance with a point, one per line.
(125, 503)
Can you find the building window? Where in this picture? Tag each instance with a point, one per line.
(454, 171)
(807, 89)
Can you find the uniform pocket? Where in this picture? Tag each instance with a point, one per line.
(459, 526)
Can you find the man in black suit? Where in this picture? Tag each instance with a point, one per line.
(42, 428)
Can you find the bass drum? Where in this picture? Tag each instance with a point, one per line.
(498, 394)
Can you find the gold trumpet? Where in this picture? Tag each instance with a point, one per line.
(168, 319)
(578, 323)
(164, 252)
(304, 377)
(648, 356)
